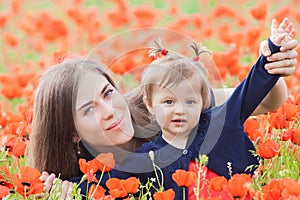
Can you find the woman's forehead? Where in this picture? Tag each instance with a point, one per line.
(89, 85)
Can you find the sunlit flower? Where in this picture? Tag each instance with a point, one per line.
(268, 148)
(27, 181)
(165, 195)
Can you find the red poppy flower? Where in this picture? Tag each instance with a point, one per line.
(19, 148)
(252, 127)
(105, 161)
(217, 183)
(8, 142)
(11, 91)
(267, 149)
(165, 195)
(4, 191)
(116, 188)
(184, 178)
(89, 168)
(273, 189)
(290, 110)
(259, 11)
(131, 185)
(5, 177)
(11, 40)
(287, 134)
(278, 120)
(96, 192)
(3, 20)
(291, 189)
(27, 181)
(237, 186)
(295, 137)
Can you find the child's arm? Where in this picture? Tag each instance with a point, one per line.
(282, 63)
(259, 82)
(225, 134)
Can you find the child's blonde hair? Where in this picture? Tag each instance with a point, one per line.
(171, 70)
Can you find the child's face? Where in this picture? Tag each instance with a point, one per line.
(177, 109)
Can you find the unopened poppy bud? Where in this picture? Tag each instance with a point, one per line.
(151, 155)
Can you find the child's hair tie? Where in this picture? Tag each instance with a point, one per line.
(198, 49)
(158, 48)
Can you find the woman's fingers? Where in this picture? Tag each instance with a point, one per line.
(67, 188)
(264, 48)
(289, 45)
(49, 182)
(283, 67)
(44, 176)
(291, 54)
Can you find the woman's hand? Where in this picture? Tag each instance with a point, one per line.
(67, 187)
(283, 62)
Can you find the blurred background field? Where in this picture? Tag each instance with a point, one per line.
(36, 34)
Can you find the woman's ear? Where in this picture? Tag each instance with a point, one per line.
(76, 139)
(148, 105)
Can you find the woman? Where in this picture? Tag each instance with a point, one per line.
(72, 93)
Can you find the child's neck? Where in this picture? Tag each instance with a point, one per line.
(178, 141)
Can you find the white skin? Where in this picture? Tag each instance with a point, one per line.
(176, 109)
(284, 64)
(102, 112)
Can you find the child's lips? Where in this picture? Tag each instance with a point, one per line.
(179, 122)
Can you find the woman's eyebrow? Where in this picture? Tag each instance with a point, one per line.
(84, 105)
(88, 103)
(104, 88)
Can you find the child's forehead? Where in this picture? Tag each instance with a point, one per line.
(187, 86)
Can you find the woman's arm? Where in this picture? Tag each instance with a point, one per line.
(283, 63)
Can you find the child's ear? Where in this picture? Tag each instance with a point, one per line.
(146, 102)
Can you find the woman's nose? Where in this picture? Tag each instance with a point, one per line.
(107, 111)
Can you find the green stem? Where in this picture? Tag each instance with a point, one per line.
(98, 181)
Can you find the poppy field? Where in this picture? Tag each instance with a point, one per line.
(36, 35)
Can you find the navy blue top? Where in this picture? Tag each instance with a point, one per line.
(220, 135)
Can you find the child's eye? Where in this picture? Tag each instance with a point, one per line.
(108, 92)
(191, 102)
(88, 110)
(168, 101)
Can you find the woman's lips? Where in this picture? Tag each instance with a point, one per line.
(114, 126)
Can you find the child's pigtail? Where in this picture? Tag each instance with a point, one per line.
(158, 48)
(198, 49)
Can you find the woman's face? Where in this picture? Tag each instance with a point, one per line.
(102, 117)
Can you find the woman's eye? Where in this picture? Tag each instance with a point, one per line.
(168, 101)
(88, 110)
(108, 92)
(191, 102)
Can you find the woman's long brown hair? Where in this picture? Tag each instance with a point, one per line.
(51, 145)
